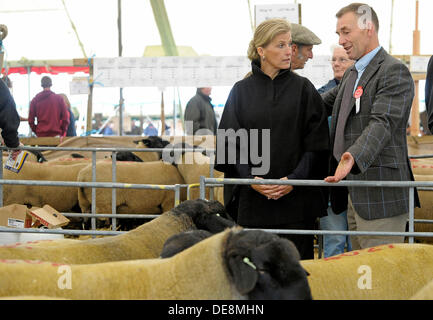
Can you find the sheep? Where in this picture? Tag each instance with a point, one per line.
(233, 264)
(139, 201)
(386, 272)
(89, 142)
(63, 199)
(426, 210)
(191, 166)
(150, 142)
(426, 293)
(422, 166)
(144, 242)
(182, 241)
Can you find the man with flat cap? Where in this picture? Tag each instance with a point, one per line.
(303, 40)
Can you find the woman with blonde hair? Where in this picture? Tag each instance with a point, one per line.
(277, 101)
(71, 132)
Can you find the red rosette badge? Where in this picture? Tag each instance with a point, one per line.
(358, 92)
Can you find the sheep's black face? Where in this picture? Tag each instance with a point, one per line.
(265, 266)
(206, 215)
(153, 142)
(182, 241)
(127, 156)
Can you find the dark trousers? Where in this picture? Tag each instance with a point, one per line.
(303, 242)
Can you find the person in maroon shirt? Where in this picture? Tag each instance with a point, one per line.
(48, 114)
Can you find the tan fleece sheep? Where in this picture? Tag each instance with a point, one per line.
(234, 264)
(191, 166)
(63, 199)
(130, 201)
(143, 242)
(422, 166)
(387, 272)
(426, 293)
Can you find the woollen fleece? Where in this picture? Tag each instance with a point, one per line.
(9, 118)
(194, 274)
(398, 271)
(51, 113)
(144, 242)
(426, 293)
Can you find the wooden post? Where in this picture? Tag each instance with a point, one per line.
(414, 123)
(90, 101)
(162, 113)
(84, 63)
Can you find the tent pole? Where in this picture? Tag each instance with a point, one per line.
(162, 113)
(414, 123)
(121, 101)
(29, 69)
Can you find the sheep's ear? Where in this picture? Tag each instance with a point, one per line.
(244, 275)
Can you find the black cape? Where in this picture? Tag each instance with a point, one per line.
(291, 108)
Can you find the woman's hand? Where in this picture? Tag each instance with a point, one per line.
(272, 191)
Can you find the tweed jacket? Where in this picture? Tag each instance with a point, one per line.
(376, 138)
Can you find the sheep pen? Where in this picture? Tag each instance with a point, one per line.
(426, 210)
(63, 199)
(143, 242)
(130, 201)
(233, 264)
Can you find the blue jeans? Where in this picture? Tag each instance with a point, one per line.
(334, 244)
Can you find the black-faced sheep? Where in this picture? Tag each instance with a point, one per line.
(181, 241)
(144, 242)
(234, 264)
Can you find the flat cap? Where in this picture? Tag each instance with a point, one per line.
(303, 35)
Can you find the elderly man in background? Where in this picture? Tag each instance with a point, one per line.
(334, 244)
(303, 40)
(340, 61)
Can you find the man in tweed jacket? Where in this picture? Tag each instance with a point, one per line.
(374, 142)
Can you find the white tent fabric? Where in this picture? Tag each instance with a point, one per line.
(40, 29)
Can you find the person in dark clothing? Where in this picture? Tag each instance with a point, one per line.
(199, 110)
(287, 112)
(71, 132)
(334, 244)
(48, 114)
(9, 119)
(428, 93)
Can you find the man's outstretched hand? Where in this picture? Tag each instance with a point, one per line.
(344, 166)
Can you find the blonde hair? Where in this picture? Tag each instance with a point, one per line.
(264, 34)
(65, 97)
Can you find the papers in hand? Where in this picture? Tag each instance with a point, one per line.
(17, 164)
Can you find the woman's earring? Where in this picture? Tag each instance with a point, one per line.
(263, 58)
